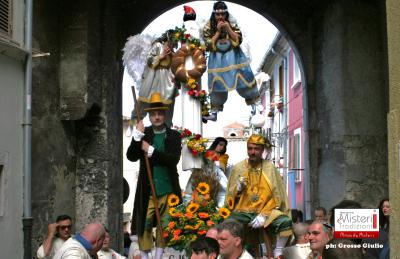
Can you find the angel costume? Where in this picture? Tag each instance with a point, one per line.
(157, 77)
(149, 72)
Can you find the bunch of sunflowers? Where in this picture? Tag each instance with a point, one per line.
(184, 223)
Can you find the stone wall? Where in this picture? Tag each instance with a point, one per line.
(393, 34)
(77, 153)
(351, 94)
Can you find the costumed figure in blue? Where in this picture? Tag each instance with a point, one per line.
(228, 67)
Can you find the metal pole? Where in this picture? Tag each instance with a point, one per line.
(27, 135)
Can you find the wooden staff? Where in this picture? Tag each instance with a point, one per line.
(149, 174)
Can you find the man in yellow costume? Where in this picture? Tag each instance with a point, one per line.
(256, 194)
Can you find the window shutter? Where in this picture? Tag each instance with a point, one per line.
(5, 17)
(291, 152)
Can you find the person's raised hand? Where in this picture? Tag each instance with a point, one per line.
(52, 229)
(140, 126)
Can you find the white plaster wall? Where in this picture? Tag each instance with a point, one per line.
(11, 180)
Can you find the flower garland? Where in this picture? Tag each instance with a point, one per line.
(192, 85)
(180, 36)
(195, 142)
(185, 222)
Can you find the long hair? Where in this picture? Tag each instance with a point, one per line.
(165, 37)
(216, 142)
(220, 5)
(383, 220)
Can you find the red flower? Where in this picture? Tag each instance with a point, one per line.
(197, 137)
(201, 232)
(211, 155)
(187, 36)
(188, 132)
(191, 92)
(194, 152)
(210, 223)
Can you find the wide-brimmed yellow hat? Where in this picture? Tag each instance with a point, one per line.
(155, 103)
(259, 140)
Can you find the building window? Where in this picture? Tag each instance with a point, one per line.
(295, 155)
(296, 72)
(5, 18)
(281, 83)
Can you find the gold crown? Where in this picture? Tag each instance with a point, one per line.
(259, 140)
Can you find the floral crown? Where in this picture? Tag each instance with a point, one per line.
(220, 11)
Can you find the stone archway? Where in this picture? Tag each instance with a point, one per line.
(77, 101)
(345, 151)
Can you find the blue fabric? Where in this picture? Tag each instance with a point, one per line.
(234, 71)
(86, 244)
(385, 252)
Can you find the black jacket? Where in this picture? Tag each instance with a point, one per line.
(169, 159)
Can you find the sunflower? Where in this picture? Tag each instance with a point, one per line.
(174, 213)
(173, 200)
(192, 207)
(203, 188)
(224, 212)
(230, 202)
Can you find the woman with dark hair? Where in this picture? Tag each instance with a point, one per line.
(384, 213)
(213, 172)
(228, 67)
(380, 252)
(216, 152)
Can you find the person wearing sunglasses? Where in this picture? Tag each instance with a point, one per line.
(57, 234)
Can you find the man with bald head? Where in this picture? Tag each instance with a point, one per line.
(301, 248)
(83, 245)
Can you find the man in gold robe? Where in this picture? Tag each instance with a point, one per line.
(256, 194)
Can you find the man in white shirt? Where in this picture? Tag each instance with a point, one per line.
(106, 252)
(230, 240)
(301, 249)
(57, 234)
(84, 245)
